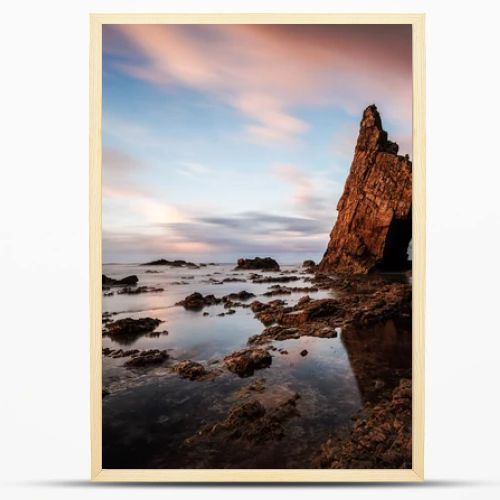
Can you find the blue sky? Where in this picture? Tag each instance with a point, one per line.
(222, 142)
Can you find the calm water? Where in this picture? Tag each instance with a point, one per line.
(149, 413)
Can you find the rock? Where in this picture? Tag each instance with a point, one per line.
(258, 386)
(304, 352)
(140, 289)
(128, 280)
(309, 264)
(243, 295)
(249, 422)
(147, 358)
(264, 264)
(380, 438)
(367, 302)
(373, 227)
(119, 353)
(197, 301)
(287, 290)
(131, 327)
(246, 361)
(257, 306)
(155, 335)
(304, 300)
(190, 369)
(274, 279)
(274, 333)
(171, 263)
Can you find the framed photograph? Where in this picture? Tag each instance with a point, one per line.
(257, 247)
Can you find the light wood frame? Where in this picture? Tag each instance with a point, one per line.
(258, 475)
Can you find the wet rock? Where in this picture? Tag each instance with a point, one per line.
(275, 279)
(197, 301)
(243, 295)
(299, 315)
(381, 436)
(285, 290)
(373, 227)
(309, 265)
(264, 264)
(304, 300)
(365, 304)
(155, 335)
(131, 327)
(119, 353)
(277, 291)
(191, 370)
(258, 385)
(257, 306)
(246, 361)
(148, 358)
(128, 280)
(274, 333)
(250, 422)
(140, 289)
(171, 263)
(233, 280)
(212, 281)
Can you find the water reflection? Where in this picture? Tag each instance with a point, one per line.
(149, 414)
(379, 357)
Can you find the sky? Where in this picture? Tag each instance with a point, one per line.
(229, 141)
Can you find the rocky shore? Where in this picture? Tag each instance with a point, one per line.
(345, 301)
(380, 435)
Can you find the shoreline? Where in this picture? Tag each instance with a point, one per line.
(360, 304)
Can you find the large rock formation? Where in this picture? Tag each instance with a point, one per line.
(373, 227)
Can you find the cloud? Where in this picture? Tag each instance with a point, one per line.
(194, 169)
(222, 238)
(260, 223)
(313, 194)
(272, 123)
(266, 72)
(128, 201)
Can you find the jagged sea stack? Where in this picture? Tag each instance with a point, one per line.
(373, 227)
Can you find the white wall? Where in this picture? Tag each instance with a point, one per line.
(44, 376)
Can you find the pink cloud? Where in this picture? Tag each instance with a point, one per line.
(266, 71)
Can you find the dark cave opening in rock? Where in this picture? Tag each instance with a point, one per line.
(397, 256)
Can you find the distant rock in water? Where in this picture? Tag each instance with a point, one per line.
(264, 264)
(309, 264)
(131, 327)
(172, 263)
(373, 227)
(127, 281)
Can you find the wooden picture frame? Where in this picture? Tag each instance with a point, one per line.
(418, 214)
